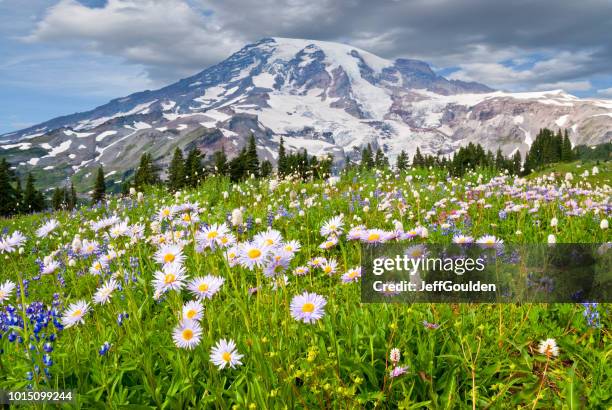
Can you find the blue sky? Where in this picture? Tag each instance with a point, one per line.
(64, 56)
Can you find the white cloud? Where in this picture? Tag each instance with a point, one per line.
(564, 66)
(154, 33)
(606, 92)
(566, 86)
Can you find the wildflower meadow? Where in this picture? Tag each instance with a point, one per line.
(247, 295)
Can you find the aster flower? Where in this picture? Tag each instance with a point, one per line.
(330, 266)
(292, 246)
(6, 289)
(98, 266)
(253, 254)
(333, 227)
(271, 237)
(373, 236)
(308, 307)
(205, 287)
(193, 310)
(329, 243)
(489, 241)
(187, 334)
(105, 292)
(224, 354)
(47, 228)
(548, 348)
(171, 277)
(462, 239)
(352, 275)
(49, 266)
(169, 254)
(301, 270)
(75, 313)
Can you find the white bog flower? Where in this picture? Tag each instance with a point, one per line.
(548, 347)
(554, 222)
(237, 217)
(604, 224)
(552, 239)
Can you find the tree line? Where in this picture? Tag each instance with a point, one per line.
(191, 169)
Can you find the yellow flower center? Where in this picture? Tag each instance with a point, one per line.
(373, 237)
(212, 235)
(327, 269)
(77, 313)
(224, 240)
(269, 242)
(226, 356)
(97, 266)
(353, 274)
(186, 217)
(308, 307)
(169, 278)
(187, 334)
(254, 253)
(169, 257)
(166, 212)
(203, 287)
(191, 314)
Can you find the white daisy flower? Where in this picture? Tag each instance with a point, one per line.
(187, 334)
(224, 354)
(75, 313)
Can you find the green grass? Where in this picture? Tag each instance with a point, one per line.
(482, 356)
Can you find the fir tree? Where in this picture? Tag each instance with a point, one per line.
(237, 166)
(99, 191)
(147, 173)
(418, 160)
(381, 160)
(251, 159)
(367, 157)
(516, 163)
(282, 159)
(176, 171)
(566, 148)
(72, 197)
(194, 172)
(402, 161)
(266, 169)
(8, 196)
(220, 162)
(33, 200)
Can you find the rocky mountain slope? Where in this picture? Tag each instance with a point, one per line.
(325, 97)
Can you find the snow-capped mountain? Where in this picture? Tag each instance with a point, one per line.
(325, 97)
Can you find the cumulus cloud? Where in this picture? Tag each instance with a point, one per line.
(175, 38)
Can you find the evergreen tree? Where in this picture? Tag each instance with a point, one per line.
(57, 199)
(237, 166)
(266, 169)
(147, 173)
(33, 200)
(176, 171)
(516, 163)
(220, 162)
(500, 161)
(18, 196)
(251, 159)
(99, 191)
(381, 160)
(72, 197)
(367, 157)
(402, 161)
(566, 148)
(418, 161)
(8, 196)
(194, 172)
(282, 159)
